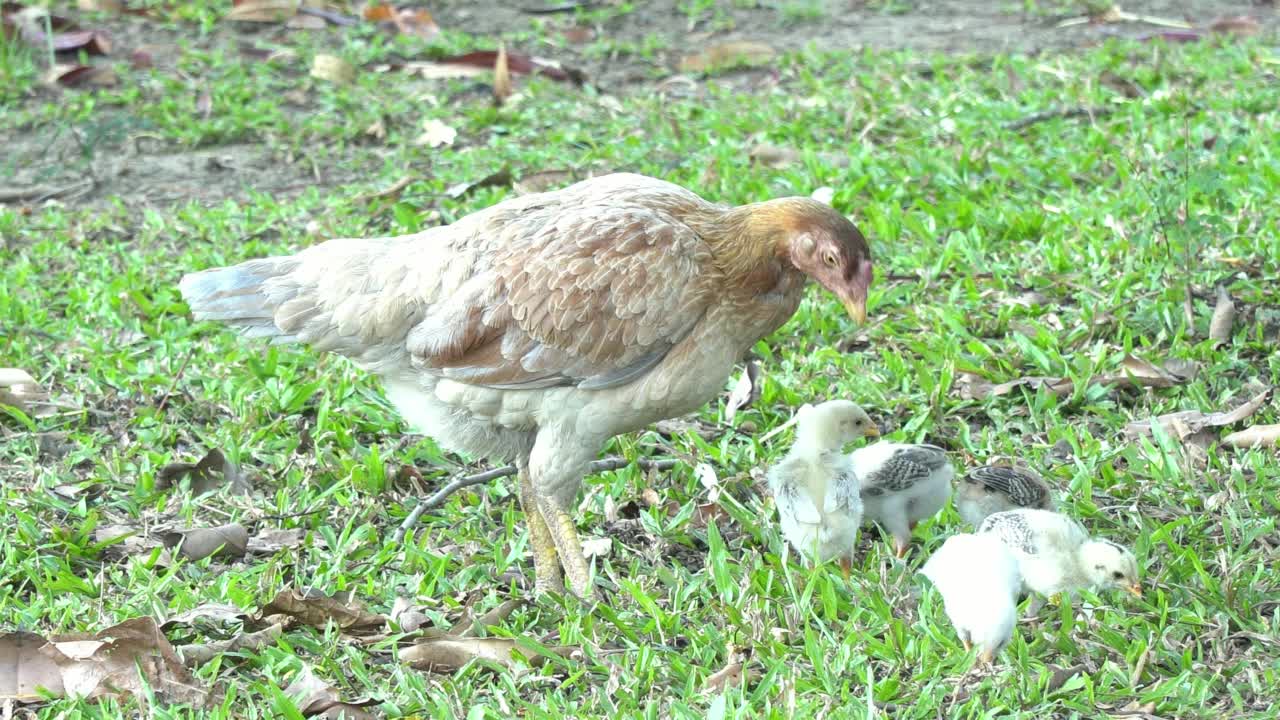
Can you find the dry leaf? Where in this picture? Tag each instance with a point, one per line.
(409, 21)
(481, 64)
(333, 68)
(377, 129)
(773, 156)
(1241, 25)
(316, 609)
(20, 390)
(204, 103)
(264, 11)
(1186, 423)
(306, 22)
(1224, 314)
(543, 181)
(315, 697)
(730, 54)
(25, 672)
(705, 514)
(745, 391)
(90, 41)
(975, 387)
(224, 541)
(208, 614)
(501, 77)
(446, 654)
(494, 617)
(134, 542)
(80, 76)
(596, 547)
(407, 616)
(271, 540)
(436, 134)
(112, 6)
(200, 653)
(501, 178)
(123, 660)
(202, 475)
(734, 674)
(1254, 436)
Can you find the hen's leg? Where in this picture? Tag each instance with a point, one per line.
(556, 475)
(546, 562)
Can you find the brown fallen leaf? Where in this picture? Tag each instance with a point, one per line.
(501, 77)
(543, 181)
(1240, 25)
(705, 514)
(200, 653)
(408, 21)
(91, 42)
(332, 68)
(482, 62)
(317, 698)
(773, 156)
(213, 471)
(26, 674)
(1141, 373)
(1185, 423)
(316, 609)
(1224, 315)
(1254, 436)
(121, 541)
(75, 76)
(446, 654)
(271, 540)
(501, 178)
(972, 386)
(735, 674)
(224, 541)
(262, 11)
(111, 6)
(18, 389)
(489, 619)
(208, 614)
(128, 659)
(407, 616)
(728, 55)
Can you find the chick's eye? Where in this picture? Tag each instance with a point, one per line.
(829, 259)
(1117, 575)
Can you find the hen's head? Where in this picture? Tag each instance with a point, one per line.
(824, 245)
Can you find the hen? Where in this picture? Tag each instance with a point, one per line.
(534, 330)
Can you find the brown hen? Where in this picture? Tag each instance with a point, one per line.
(536, 329)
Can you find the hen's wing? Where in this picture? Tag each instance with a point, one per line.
(1020, 486)
(792, 499)
(588, 286)
(905, 467)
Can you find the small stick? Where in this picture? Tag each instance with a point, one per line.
(1069, 112)
(438, 498)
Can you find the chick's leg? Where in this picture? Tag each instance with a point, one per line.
(546, 561)
(556, 475)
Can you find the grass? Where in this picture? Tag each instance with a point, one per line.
(965, 214)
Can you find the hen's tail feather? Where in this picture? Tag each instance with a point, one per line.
(243, 296)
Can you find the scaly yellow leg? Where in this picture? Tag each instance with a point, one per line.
(565, 536)
(546, 562)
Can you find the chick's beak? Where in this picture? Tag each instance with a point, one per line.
(856, 307)
(871, 431)
(1134, 589)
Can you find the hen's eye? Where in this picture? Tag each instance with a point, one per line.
(829, 259)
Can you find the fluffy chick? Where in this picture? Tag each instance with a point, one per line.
(995, 488)
(814, 487)
(1055, 553)
(902, 484)
(978, 578)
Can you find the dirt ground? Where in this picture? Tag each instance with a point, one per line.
(121, 160)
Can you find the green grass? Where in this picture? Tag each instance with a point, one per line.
(1069, 208)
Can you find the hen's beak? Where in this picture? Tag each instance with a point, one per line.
(856, 307)
(1134, 589)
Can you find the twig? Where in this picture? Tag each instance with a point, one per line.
(40, 193)
(1068, 112)
(438, 498)
(173, 385)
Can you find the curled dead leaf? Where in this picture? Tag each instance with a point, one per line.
(213, 471)
(481, 64)
(408, 21)
(224, 541)
(727, 55)
(494, 617)
(446, 654)
(129, 659)
(735, 674)
(745, 392)
(315, 697)
(262, 11)
(200, 653)
(26, 674)
(501, 77)
(1186, 423)
(316, 609)
(1254, 437)
(271, 540)
(18, 389)
(120, 541)
(74, 76)
(1224, 315)
(208, 614)
(407, 616)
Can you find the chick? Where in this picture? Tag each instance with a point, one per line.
(1055, 553)
(902, 484)
(978, 578)
(996, 488)
(814, 486)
